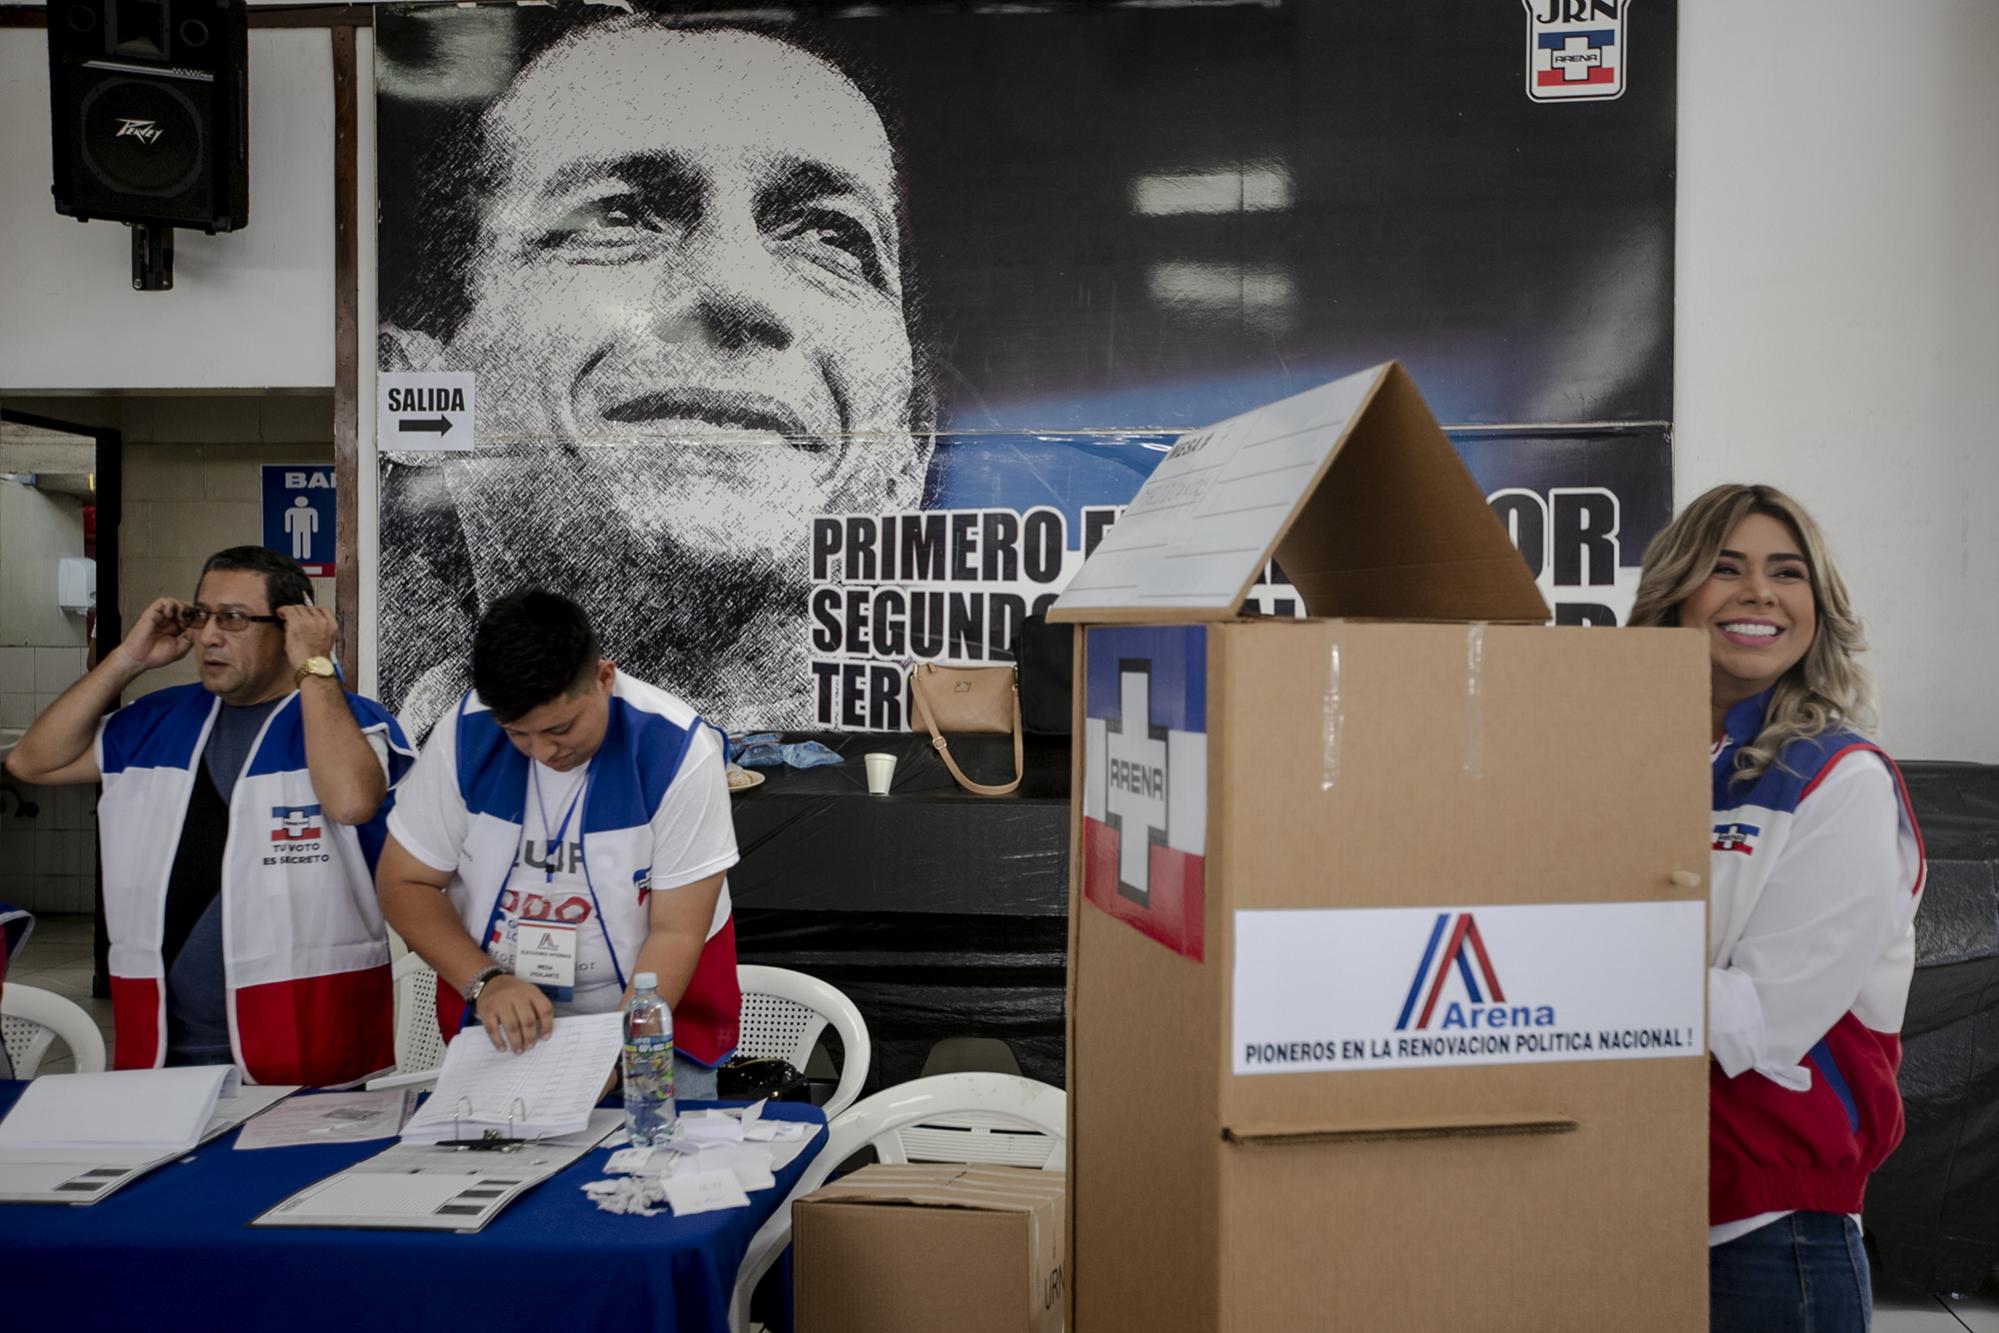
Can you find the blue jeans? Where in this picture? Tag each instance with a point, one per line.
(1805, 1273)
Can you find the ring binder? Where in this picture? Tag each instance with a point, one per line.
(489, 1140)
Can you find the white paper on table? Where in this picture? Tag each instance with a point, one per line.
(783, 1154)
(334, 1117)
(42, 1173)
(603, 1123)
(629, 1162)
(767, 1131)
(748, 1162)
(710, 1127)
(162, 1109)
(246, 1103)
(708, 1192)
(381, 1195)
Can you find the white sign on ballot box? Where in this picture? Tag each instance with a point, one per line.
(1422, 987)
(424, 410)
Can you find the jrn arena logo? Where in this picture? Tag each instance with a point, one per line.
(1575, 49)
(295, 823)
(1463, 950)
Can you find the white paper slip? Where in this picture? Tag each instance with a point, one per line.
(333, 1117)
(708, 1192)
(710, 1127)
(545, 1090)
(749, 1163)
(629, 1162)
(765, 1131)
(162, 1109)
(785, 1151)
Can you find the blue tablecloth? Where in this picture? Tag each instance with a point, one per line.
(172, 1250)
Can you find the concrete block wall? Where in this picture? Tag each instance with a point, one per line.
(48, 858)
(184, 502)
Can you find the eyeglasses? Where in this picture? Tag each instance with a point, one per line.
(232, 622)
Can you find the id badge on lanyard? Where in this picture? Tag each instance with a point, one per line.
(545, 954)
(545, 949)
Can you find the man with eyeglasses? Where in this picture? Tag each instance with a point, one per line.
(239, 826)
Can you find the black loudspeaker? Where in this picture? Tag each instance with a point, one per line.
(150, 109)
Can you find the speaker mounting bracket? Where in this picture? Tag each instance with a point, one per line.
(152, 257)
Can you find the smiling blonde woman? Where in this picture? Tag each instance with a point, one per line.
(1816, 873)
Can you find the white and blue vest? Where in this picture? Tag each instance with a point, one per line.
(645, 740)
(1772, 1149)
(305, 954)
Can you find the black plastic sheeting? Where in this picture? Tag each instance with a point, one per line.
(920, 979)
(940, 914)
(1933, 1207)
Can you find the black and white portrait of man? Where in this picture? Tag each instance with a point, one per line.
(735, 285)
(680, 286)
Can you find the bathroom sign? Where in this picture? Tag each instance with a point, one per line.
(298, 515)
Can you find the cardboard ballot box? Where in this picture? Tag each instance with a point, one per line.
(1387, 968)
(919, 1249)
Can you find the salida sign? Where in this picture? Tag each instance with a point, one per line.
(425, 410)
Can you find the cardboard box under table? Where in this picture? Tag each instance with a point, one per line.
(1387, 931)
(924, 1248)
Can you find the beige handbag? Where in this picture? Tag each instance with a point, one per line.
(978, 700)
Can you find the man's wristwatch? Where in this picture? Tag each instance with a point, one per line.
(312, 666)
(475, 987)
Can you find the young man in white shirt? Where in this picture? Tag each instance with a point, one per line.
(566, 828)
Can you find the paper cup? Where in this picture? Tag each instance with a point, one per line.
(881, 771)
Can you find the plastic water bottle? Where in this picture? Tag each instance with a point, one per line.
(649, 1105)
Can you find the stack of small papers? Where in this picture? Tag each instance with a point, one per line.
(714, 1160)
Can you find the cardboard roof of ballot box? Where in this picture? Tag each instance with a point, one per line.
(1354, 490)
(1387, 949)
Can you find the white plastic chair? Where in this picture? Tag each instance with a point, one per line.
(32, 1018)
(419, 1047)
(783, 1014)
(1032, 1120)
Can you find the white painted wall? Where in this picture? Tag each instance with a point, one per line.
(249, 309)
(1838, 298)
(1838, 329)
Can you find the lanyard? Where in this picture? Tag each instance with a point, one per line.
(551, 846)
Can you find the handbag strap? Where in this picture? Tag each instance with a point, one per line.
(943, 747)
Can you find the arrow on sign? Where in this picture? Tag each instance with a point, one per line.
(429, 425)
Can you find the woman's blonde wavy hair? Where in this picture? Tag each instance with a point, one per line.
(1828, 689)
